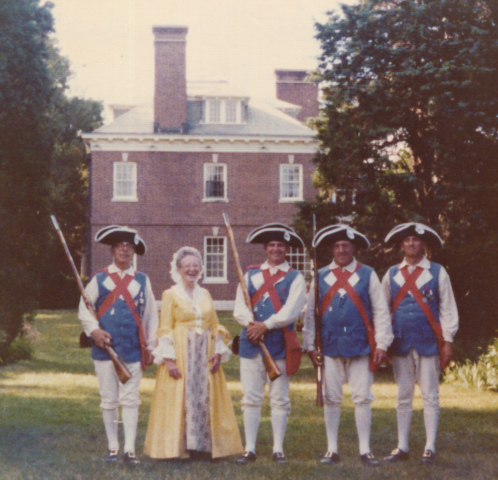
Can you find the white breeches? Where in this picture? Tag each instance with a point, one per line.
(355, 371)
(253, 377)
(425, 371)
(112, 392)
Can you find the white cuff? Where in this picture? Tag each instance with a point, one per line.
(165, 350)
(221, 348)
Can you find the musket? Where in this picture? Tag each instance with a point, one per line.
(318, 326)
(121, 368)
(270, 364)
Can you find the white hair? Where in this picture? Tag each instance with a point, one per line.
(177, 260)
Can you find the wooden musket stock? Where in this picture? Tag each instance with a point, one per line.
(121, 368)
(270, 364)
(318, 326)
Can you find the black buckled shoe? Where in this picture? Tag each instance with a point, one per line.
(279, 457)
(369, 459)
(397, 455)
(112, 455)
(428, 457)
(329, 458)
(245, 458)
(131, 459)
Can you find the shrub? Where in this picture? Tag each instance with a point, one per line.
(481, 375)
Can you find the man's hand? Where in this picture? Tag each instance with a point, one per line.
(380, 356)
(256, 331)
(101, 337)
(316, 358)
(446, 355)
(173, 370)
(216, 360)
(149, 358)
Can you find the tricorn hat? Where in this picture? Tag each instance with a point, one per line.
(427, 234)
(114, 234)
(334, 233)
(275, 232)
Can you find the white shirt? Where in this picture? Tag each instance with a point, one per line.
(289, 312)
(448, 313)
(150, 318)
(380, 311)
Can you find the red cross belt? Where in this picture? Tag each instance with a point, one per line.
(342, 281)
(121, 289)
(410, 285)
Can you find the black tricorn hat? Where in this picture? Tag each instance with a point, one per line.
(114, 234)
(427, 234)
(275, 232)
(334, 233)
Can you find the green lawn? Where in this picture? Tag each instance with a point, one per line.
(51, 428)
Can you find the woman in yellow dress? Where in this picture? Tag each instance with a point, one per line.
(191, 408)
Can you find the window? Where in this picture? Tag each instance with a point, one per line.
(231, 111)
(214, 111)
(291, 183)
(215, 182)
(215, 260)
(125, 182)
(298, 260)
(222, 111)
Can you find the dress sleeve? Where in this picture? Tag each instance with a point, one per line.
(165, 343)
(220, 332)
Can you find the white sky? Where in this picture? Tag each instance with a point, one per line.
(110, 44)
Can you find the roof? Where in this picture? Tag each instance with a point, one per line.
(263, 118)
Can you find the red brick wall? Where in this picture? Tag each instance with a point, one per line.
(170, 213)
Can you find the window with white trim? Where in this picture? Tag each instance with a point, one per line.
(215, 260)
(125, 182)
(222, 111)
(231, 111)
(291, 183)
(215, 182)
(298, 259)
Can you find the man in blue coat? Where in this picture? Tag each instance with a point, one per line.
(425, 320)
(127, 320)
(277, 296)
(355, 331)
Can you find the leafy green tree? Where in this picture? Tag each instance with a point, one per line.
(409, 133)
(42, 165)
(68, 183)
(25, 152)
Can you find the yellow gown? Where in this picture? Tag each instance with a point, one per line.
(166, 430)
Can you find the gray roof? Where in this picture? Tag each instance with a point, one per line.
(264, 118)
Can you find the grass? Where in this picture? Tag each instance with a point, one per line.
(51, 427)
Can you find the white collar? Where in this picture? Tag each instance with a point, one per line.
(180, 290)
(285, 267)
(424, 263)
(113, 268)
(351, 267)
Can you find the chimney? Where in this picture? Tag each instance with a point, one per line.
(170, 94)
(294, 86)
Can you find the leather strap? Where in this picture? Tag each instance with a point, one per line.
(121, 289)
(343, 282)
(411, 286)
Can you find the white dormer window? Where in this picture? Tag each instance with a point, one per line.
(222, 111)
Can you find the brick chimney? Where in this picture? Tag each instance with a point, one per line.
(294, 86)
(170, 94)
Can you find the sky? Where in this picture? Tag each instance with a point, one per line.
(109, 43)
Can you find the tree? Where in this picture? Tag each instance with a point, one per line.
(68, 182)
(25, 152)
(42, 165)
(409, 133)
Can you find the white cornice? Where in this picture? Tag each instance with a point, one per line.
(107, 142)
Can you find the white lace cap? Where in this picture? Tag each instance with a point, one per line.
(175, 274)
